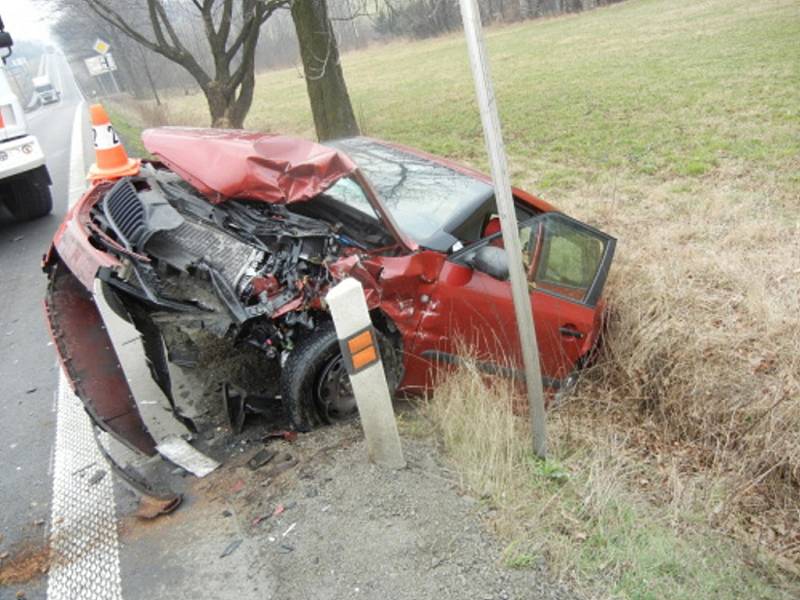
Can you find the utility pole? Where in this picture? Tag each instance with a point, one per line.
(110, 71)
(493, 137)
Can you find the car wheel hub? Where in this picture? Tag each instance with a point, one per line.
(334, 392)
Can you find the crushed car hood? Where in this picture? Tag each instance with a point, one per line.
(223, 164)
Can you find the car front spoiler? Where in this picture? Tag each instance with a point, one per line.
(93, 369)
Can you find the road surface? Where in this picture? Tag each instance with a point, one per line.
(28, 371)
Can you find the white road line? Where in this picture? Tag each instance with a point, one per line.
(84, 540)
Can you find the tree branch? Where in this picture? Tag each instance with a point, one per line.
(161, 46)
(176, 42)
(156, 24)
(105, 12)
(225, 21)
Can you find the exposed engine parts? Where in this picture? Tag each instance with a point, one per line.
(251, 269)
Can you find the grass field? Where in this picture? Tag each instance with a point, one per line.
(645, 88)
(675, 126)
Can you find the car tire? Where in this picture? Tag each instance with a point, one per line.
(310, 374)
(29, 195)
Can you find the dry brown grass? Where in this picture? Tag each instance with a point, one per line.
(603, 513)
(154, 115)
(689, 421)
(702, 355)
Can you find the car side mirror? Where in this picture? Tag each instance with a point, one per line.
(5, 40)
(491, 260)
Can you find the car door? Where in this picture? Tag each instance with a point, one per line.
(471, 312)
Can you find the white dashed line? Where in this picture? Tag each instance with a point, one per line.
(84, 540)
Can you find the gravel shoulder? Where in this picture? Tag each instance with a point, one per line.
(348, 529)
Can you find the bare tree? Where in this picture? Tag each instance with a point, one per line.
(327, 90)
(231, 31)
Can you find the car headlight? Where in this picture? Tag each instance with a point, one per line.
(27, 148)
(3, 156)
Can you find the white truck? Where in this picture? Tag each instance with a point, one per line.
(45, 90)
(24, 180)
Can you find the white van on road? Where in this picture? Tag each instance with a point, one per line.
(24, 180)
(45, 90)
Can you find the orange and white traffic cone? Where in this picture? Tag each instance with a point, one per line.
(112, 160)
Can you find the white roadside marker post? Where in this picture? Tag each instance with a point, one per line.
(363, 361)
(473, 30)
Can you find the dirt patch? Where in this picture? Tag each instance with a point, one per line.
(335, 526)
(25, 563)
(332, 525)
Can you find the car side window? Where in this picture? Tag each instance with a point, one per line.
(559, 255)
(568, 260)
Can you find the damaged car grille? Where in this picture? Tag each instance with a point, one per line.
(125, 213)
(231, 269)
(190, 243)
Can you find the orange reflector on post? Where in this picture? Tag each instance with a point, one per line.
(364, 358)
(360, 350)
(360, 341)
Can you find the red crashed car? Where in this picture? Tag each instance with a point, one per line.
(241, 234)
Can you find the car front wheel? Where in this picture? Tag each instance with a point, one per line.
(315, 386)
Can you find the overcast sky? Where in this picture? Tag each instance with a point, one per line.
(24, 19)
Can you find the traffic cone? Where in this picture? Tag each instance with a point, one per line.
(112, 160)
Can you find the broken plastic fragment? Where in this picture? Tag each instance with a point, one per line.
(180, 452)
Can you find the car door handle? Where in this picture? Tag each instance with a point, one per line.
(570, 332)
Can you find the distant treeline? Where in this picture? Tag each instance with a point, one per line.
(428, 18)
(357, 24)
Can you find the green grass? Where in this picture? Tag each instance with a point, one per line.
(651, 88)
(128, 129)
(629, 549)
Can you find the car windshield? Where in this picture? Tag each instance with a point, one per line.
(44, 88)
(420, 194)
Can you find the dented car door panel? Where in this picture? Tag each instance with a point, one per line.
(472, 312)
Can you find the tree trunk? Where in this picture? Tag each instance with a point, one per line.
(218, 105)
(327, 90)
(227, 109)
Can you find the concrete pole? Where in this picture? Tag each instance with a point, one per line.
(363, 361)
(493, 137)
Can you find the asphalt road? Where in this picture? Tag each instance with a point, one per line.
(28, 371)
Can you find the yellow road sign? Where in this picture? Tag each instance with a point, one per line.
(101, 46)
